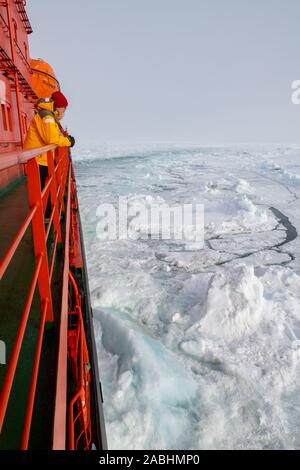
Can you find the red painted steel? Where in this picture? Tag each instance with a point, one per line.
(13, 362)
(76, 258)
(53, 196)
(13, 247)
(9, 159)
(31, 396)
(60, 407)
(79, 429)
(16, 78)
(21, 9)
(59, 170)
(39, 235)
(17, 106)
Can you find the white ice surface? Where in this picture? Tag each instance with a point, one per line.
(198, 349)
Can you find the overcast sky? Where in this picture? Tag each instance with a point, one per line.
(205, 71)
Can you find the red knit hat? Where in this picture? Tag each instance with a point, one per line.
(60, 101)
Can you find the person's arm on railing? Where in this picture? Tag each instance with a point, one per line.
(51, 134)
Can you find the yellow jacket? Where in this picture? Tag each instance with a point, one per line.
(44, 130)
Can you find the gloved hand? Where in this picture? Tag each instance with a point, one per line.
(72, 140)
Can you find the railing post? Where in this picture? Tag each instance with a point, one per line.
(39, 238)
(60, 162)
(60, 407)
(53, 195)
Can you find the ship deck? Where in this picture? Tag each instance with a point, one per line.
(13, 290)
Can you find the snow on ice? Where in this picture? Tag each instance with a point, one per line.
(198, 348)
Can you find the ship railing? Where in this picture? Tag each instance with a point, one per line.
(79, 420)
(57, 185)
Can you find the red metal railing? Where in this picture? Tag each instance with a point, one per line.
(54, 190)
(79, 429)
(21, 9)
(60, 406)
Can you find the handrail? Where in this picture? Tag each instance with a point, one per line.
(10, 375)
(29, 411)
(13, 247)
(79, 431)
(55, 189)
(60, 406)
(8, 159)
(21, 9)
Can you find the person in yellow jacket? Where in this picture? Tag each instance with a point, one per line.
(45, 129)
